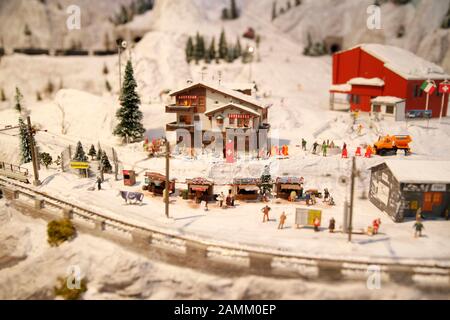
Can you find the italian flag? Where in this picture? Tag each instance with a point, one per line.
(428, 87)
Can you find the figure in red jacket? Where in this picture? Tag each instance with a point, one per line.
(376, 225)
(344, 151)
(358, 152)
(368, 153)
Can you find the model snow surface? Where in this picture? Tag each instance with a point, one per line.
(262, 134)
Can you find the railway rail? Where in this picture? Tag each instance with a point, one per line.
(219, 257)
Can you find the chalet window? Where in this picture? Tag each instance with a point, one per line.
(390, 109)
(355, 99)
(196, 117)
(231, 121)
(219, 120)
(376, 108)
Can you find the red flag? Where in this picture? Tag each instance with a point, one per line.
(444, 88)
(229, 151)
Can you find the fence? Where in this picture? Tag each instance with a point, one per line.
(213, 256)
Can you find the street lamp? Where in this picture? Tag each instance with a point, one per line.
(121, 45)
(250, 51)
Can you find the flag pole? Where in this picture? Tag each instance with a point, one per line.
(443, 100)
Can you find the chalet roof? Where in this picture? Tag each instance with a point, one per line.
(290, 180)
(404, 63)
(247, 181)
(232, 105)
(199, 181)
(387, 100)
(222, 89)
(375, 82)
(419, 171)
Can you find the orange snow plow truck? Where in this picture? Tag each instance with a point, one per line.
(388, 145)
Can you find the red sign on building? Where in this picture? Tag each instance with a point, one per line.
(239, 116)
(444, 88)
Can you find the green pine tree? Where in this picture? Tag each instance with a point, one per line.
(230, 55)
(199, 51)
(80, 155)
(18, 98)
(189, 50)
(237, 49)
(130, 117)
(25, 146)
(234, 14)
(266, 181)
(45, 159)
(2, 95)
(274, 10)
(92, 152)
(212, 49)
(223, 47)
(99, 153)
(106, 165)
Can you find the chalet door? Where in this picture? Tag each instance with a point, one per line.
(427, 201)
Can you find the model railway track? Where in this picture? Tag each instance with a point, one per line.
(200, 251)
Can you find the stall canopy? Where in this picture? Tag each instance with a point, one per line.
(290, 180)
(247, 181)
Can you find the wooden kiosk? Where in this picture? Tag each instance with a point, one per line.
(246, 188)
(285, 185)
(156, 183)
(199, 187)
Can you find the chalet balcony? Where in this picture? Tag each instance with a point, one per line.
(173, 108)
(179, 125)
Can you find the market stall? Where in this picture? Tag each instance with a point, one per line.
(284, 186)
(198, 188)
(156, 183)
(246, 188)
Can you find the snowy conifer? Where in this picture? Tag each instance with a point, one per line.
(223, 47)
(129, 116)
(92, 152)
(106, 165)
(25, 147)
(189, 50)
(80, 155)
(266, 181)
(18, 98)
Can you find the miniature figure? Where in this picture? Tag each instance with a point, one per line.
(332, 225)
(303, 144)
(324, 149)
(418, 227)
(376, 225)
(282, 220)
(316, 224)
(266, 210)
(315, 145)
(99, 183)
(220, 198)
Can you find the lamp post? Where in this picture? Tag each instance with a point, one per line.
(250, 51)
(167, 184)
(120, 45)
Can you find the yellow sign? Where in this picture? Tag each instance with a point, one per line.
(312, 215)
(79, 165)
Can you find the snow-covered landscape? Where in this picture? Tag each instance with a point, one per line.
(296, 87)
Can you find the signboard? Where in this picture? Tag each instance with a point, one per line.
(438, 187)
(229, 151)
(419, 114)
(187, 97)
(305, 217)
(79, 165)
(239, 116)
(444, 88)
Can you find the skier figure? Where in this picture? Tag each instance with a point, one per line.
(324, 149)
(205, 199)
(418, 227)
(358, 152)
(368, 153)
(315, 145)
(376, 225)
(308, 198)
(99, 183)
(344, 151)
(326, 195)
(220, 199)
(282, 220)
(332, 225)
(316, 224)
(303, 144)
(266, 210)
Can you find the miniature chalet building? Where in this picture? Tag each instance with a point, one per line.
(384, 79)
(209, 107)
(400, 187)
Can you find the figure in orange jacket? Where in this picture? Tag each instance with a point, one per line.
(368, 153)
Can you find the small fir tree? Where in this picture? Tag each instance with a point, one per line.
(189, 50)
(129, 116)
(99, 153)
(106, 165)
(45, 159)
(223, 47)
(274, 10)
(234, 13)
(266, 181)
(92, 152)
(225, 14)
(237, 49)
(80, 155)
(18, 99)
(212, 50)
(25, 146)
(2, 95)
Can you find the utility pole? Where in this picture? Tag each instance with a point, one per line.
(167, 185)
(352, 191)
(34, 157)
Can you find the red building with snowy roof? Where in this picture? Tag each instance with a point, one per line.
(382, 78)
